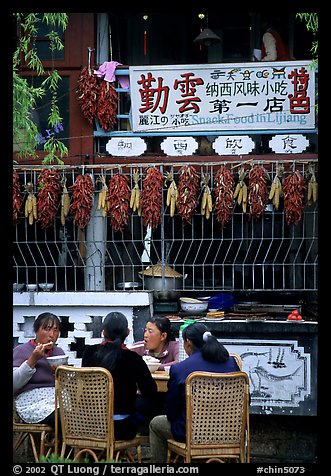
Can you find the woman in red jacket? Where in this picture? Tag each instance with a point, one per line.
(273, 46)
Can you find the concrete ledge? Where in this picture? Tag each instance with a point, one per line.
(111, 299)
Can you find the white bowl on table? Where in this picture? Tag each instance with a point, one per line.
(193, 305)
(17, 288)
(152, 364)
(46, 286)
(58, 360)
(31, 287)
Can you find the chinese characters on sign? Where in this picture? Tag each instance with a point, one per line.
(233, 145)
(179, 145)
(251, 97)
(126, 146)
(289, 143)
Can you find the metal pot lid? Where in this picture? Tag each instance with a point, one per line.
(156, 271)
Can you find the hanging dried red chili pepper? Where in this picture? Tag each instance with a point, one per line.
(293, 192)
(88, 92)
(258, 192)
(49, 187)
(223, 191)
(82, 200)
(17, 197)
(106, 112)
(118, 201)
(188, 190)
(151, 198)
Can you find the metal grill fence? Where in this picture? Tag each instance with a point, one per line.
(247, 255)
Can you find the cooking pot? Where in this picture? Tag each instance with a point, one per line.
(129, 285)
(166, 290)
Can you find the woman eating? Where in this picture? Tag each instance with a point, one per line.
(33, 376)
(159, 342)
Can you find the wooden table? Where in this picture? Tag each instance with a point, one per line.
(161, 377)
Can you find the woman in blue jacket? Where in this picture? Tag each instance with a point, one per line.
(206, 354)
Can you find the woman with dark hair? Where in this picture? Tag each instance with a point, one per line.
(33, 377)
(159, 342)
(129, 371)
(206, 354)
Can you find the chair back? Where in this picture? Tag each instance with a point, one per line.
(86, 404)
(217, 412)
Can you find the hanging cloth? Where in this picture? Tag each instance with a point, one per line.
(107, 69)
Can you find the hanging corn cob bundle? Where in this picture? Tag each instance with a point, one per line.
(206, 200)
(276, 187)
(103, 202)
(30, 207)
(172, 194)
(312, 185)
(241, 190)
(65, 202)
(135, 193)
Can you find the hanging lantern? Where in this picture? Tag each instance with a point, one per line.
(145, 18)
(207, 37)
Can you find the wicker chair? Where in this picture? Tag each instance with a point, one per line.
(35, 431)
(217, 419)
(85, 397)
(238, 360)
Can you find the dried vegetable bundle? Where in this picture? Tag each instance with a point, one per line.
(30, 207)
(207, 199)
(241, 190)
(65, 202)
(118, 201)
(188, 190)
(88, 92)
(17, 197)
(82, 200)
(172, 194)
(49, 187)
(103, 202)
(276, 187)
(258, 192)
(106, 110)
(312, 185)
(223, 191)
(151, 198)
(135, 193)
(293, 190)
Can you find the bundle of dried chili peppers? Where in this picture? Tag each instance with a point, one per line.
(17, 197)
(151, 198)
(258, 192)
(49, 188)
(82, 200)
(118, 201)
(293, 192)
(106, 110)
(188, 190)
(88, 92)
(223, 191)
